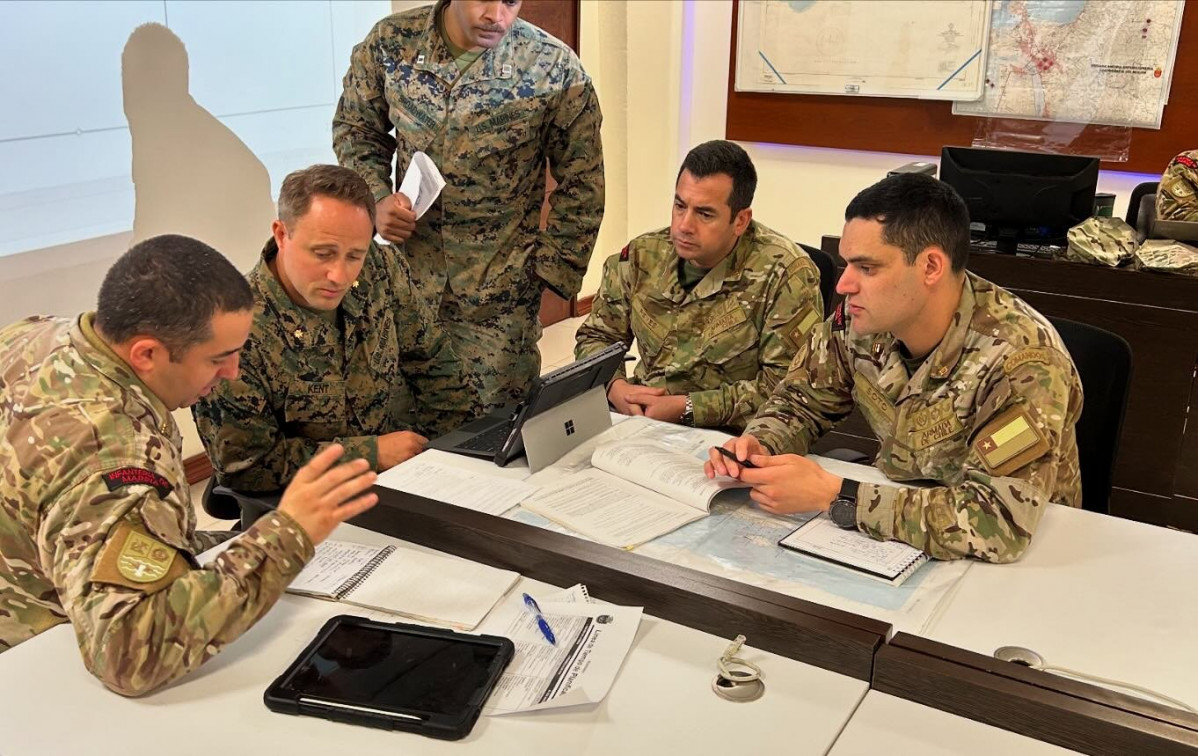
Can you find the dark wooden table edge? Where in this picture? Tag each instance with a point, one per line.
(1037, 704)
(828, 638)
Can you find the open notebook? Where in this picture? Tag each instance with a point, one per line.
(892, 561)
(423, 585)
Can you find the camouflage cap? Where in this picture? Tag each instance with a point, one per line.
(1101, 241)
(1168, 256)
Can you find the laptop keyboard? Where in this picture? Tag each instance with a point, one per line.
(489, 440)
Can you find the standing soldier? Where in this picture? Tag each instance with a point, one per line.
(492, 100)
(97, 526)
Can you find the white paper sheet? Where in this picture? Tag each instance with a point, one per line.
(478, 491)
(422, 183)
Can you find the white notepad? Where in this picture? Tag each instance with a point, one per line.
(424, 586)
(892, 561)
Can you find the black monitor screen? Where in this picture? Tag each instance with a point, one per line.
(1021, 196)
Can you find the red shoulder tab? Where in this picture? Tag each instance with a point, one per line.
(137, 476)
(1185, 160)
(838, 317)
(624, 254)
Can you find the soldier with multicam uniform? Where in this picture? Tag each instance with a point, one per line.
(490, 99)
(964, 384)
(718, 303)
(1177, 195)
(97, 527)
(341, 348)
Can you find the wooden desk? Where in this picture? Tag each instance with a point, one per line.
(661, 702)
(1156, 470)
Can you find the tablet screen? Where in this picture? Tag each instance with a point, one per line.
(393, 670)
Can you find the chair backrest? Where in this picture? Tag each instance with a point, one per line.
(827, 275)
(1103, 361)
(1133, 205)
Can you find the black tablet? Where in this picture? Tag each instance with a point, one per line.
(393, 676)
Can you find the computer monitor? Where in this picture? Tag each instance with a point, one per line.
(1018, 197)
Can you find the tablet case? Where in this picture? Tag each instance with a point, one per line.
(452, 726)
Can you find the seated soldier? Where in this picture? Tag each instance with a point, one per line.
(97, 526)
(340, 349)
(1177, 196)
(964, 384)
(718, 303)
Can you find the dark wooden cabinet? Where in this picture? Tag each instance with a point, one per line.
(1156, 470)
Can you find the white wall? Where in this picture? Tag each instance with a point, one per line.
(675, 64)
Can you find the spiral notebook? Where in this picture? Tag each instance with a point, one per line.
(422, 585)
(892, 561)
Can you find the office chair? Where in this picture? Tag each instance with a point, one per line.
(827, 275)
(220, 505)
(1133, 216)
(1103, 361)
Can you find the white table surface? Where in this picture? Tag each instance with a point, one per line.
(661, 702)
(884, 724)
(1095, 593)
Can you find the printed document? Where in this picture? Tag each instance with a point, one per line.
(592, 641)
(636, 491)
(463, 488)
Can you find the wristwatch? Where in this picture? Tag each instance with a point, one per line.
(843, 511)
(688, 412)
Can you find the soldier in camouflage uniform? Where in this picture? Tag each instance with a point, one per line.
(964, 384)
(490, 99)
(718, 303)
(339, 342)
(97, 526)
(1177, 196)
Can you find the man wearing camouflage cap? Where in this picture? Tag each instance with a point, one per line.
(97, 526)
(492, 100)
(964, 384)
(718, 303)
(1177, 196)
(341, 347)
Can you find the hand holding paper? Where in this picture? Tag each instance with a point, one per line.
(422, 183)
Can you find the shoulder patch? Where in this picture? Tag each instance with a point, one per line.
(1010, 441)
(1186, 160)
(133, 558)
(1026, 355)
(795, 330)
(138, 476)
(624, 254)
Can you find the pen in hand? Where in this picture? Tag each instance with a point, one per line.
(531, 604)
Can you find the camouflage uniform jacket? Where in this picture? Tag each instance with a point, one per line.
(477, 255)
(97, 525)
(729, 340)
(306, 382)
(989, 416)
(1177, 196)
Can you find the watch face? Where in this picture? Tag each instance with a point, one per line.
(843, 513)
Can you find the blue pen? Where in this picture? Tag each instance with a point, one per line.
(530, 603)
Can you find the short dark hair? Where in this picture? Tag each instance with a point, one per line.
(295, 197)
(720, 156)
(916, 212)
(169, 287)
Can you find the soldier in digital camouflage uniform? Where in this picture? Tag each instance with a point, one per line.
(1176, 198)
(964, 384)
(717, 302)
(341, 348)
(97, 526)
(490, 110)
